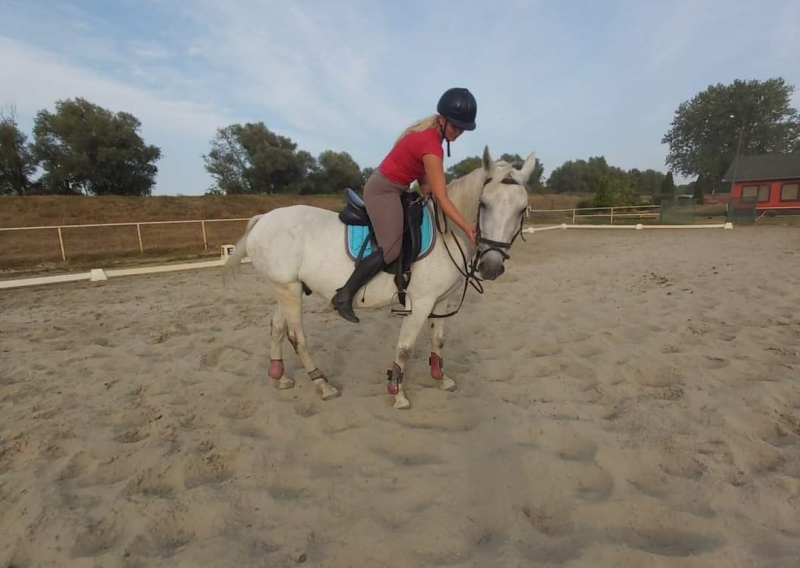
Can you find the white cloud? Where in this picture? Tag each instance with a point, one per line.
(316, 69)
(34, 79)
(563, 80)
(149, 50)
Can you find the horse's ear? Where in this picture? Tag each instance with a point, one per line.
(528, 166)
(488, 162)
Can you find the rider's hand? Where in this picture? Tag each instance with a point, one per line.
(472, 234)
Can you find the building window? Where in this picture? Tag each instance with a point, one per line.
(790, 191)
(761, 192)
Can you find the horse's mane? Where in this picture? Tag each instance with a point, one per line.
(465, 192)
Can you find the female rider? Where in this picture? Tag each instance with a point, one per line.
(416, 155)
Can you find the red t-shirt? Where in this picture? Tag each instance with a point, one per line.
(404, 163)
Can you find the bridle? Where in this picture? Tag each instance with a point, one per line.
(470, 269)
(499, 246)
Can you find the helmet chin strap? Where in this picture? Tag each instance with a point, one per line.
(443, 129)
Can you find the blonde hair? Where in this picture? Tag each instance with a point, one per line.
(419, 126)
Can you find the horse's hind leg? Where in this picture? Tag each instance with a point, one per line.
(290, 297)
(437, 347)
(278, 333)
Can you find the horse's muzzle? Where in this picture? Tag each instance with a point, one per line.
(491, 266)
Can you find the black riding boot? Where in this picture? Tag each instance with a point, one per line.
(366, 270)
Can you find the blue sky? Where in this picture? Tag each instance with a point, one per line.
(568, 80)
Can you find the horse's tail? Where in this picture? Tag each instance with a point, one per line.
(234, 261)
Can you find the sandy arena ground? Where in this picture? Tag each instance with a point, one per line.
(626, 399)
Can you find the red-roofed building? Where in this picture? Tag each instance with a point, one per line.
(773, 180)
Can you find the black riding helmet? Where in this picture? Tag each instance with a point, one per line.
(459, 107)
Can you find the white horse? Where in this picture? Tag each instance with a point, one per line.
(301, 248)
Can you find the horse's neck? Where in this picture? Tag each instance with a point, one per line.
(465, 194)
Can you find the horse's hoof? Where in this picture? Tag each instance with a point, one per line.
(327, 390)
(400, 400)
(446, 384)
(285, 383)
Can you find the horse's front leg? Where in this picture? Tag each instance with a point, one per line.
(436, 360)
(409, 332)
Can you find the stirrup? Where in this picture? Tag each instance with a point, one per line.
(406, 309)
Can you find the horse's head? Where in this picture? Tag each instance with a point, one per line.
(501, 212)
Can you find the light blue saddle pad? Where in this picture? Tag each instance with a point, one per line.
(357, 234)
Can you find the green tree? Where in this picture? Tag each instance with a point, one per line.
(702, 186)
(667, 190)
(249, 158)
(84, 148)
(615, 191)
(647, 182)
(535, 181)
(366, 173)
(604, 196)
(308, 168)
(582, 176)
(514, 159)
(704, 135)
(336, 171)
(17, 163)
(462, 168)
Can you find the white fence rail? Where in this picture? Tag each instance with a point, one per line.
(642, 212)
(138, 226)
(585, 213)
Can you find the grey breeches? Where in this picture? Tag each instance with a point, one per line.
(382, 199)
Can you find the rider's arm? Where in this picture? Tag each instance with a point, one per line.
(424, 185)
(434, 173)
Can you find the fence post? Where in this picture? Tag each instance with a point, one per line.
(574, 211)
(612, 215)
(139, 232)
(61, 242)
(205, 242)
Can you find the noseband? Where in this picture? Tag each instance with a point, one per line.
(498, 246)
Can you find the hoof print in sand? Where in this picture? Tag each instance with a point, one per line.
(208, 469)
(238, 410)
(131, 436)
(663, 541)
(152, 483)
(164, 537)
(96, 539)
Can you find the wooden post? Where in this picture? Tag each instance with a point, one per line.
(205, 241)
(139, 232)
(612, 215)
(61, 242)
